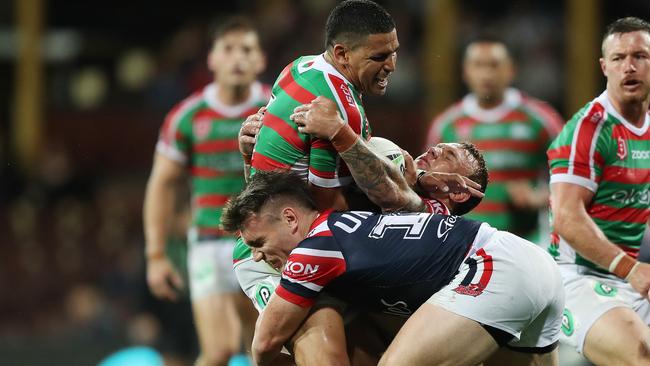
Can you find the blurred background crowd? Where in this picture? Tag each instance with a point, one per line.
(85, 86)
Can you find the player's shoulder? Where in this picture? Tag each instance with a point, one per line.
(542, 109)
(188, 106)
(594, 112)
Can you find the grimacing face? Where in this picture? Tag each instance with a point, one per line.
(236, 58)
(488, 70)
(372, 62)
(626, 65)
(446, 158)
(269, 239)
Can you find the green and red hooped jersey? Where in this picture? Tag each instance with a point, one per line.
(513, 138)
(201, 133)
(279, 145)
(601, 151)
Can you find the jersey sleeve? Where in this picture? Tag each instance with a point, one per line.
(577, 154)
(175, 137)
(316, 262)
(326, 168)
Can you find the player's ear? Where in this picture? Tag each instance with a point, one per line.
(289, 217)
(459, 197)
(339, 53)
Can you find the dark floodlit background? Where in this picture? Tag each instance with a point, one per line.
(84, 86)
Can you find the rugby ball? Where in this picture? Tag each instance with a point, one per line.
(389, 149)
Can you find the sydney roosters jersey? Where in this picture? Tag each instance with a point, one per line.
(391, 263)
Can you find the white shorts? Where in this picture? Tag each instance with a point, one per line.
(258, 280)
(209, 263)
(589, 295)
(510, 284)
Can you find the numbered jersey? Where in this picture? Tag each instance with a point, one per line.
(391, 263)
(601, 151)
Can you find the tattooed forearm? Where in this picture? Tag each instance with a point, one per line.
(380, 180)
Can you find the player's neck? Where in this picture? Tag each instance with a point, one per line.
(490, 102)
(633, 112)
(233, 95)
(309, 217)
(344, 71)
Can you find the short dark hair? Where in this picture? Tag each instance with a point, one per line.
(264, 188)
(489, 37)
(353, 19)
(478, 175)
(625, 25)
(235, 23)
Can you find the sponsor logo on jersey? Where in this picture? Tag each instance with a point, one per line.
(631, 197)
(621, 151)
(567, 323)
(596, 115)
(640, 154)
(445, 226)
(294, 269)
(605, 290)
(399, 308)
(348, 94)
(201, 128)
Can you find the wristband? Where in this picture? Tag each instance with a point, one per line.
(622, 265)
(627, 278)
(344, 138)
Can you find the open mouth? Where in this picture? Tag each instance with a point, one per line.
(631, 83)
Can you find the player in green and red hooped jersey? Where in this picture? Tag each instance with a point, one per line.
(199, 139)
(600, 187)
(512, 130)
(361, 49)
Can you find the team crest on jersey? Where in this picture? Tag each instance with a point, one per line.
(567, 323)
(201, 128)
(605, 290)
(621, 150)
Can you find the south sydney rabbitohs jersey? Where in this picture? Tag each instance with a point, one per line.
(601, 151)
(279, 145)
(201, 133)
(513, 137)
(391, 263)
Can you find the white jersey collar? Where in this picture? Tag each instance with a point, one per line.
(511, 100)
(210, 95)
(610, 109)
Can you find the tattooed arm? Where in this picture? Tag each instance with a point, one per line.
(381, 180)
(377, 177)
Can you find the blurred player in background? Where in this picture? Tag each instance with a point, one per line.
(199, 138)
(511, 129)
(600, 200)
